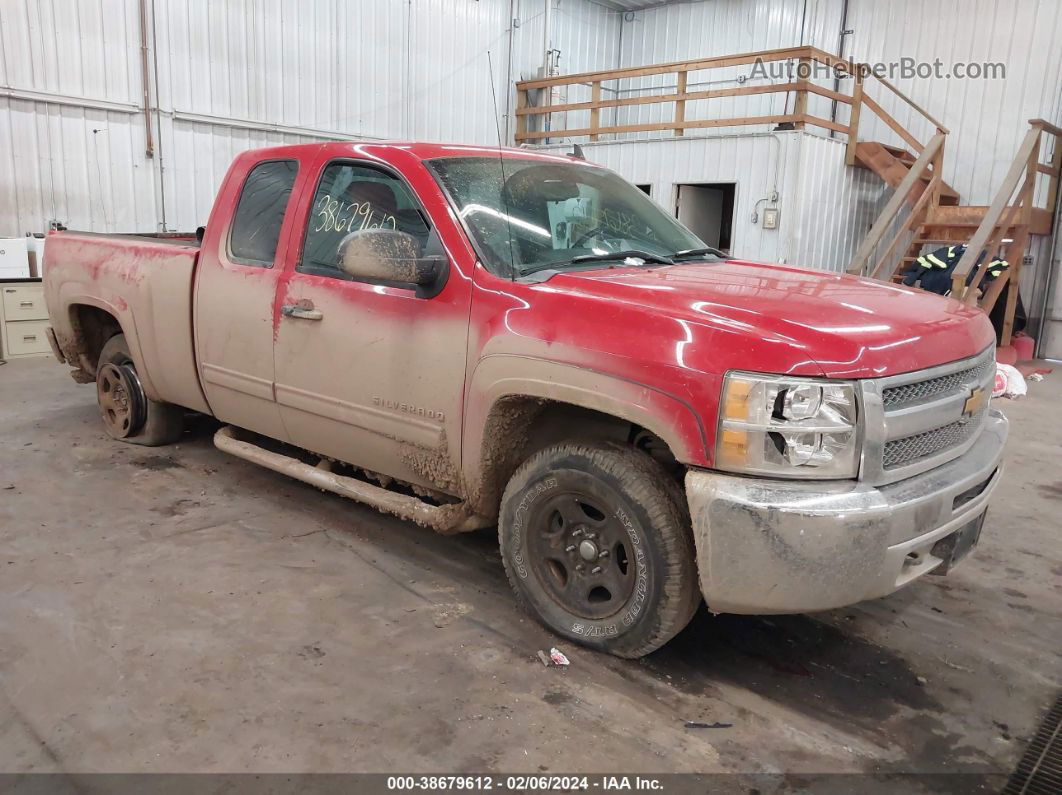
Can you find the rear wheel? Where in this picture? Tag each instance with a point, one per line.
(597, 545)
(127, 413)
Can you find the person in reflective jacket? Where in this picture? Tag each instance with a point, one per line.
(933, 271)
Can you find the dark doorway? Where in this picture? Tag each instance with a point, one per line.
(646, 189)
(708, 211)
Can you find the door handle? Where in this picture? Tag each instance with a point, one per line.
(303, 311)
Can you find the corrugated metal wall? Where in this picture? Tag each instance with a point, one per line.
(987, 118)
(231, 75)
(836, 206)
(723, 27)
(1050, 335)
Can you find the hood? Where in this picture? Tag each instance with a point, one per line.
(848, 326)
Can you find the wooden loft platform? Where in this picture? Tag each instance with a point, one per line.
(528, 90)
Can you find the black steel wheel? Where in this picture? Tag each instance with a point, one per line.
(597, 545)
(580, 552)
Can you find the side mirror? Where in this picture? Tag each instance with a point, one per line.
(388, 255)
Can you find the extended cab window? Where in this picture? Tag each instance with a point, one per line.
(260, 213)
(351, 198)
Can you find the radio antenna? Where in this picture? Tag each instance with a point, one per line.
(501, 169)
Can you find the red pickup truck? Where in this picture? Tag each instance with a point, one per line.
(468, 336)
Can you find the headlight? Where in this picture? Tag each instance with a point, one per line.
(788, 427)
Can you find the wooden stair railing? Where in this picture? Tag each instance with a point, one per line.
(1013, 211)
(892, 164)
(1004, 226)
(861, 262)
(530, 92)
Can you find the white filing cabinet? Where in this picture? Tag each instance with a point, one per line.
(23, 319)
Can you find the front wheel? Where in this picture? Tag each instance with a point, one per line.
(597, 545)
(128, 414)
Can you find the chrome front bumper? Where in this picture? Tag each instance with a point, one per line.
(778, 546)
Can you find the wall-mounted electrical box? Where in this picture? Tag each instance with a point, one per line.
(770, 217)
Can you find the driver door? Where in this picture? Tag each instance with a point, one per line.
(368, 372)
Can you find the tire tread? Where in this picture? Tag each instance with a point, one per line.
(646, 483)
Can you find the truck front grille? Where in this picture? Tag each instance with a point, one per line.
(902, 395)
(922, 417)
(918, 446)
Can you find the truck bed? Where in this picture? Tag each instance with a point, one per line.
(166, 238)
(146, 283)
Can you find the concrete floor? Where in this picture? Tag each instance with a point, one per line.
(175, 609)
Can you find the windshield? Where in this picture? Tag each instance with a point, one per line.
(542, 215)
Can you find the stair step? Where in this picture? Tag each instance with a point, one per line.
(969, 216)
(895, 151)
(893, 164)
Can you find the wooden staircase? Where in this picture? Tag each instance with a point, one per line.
(892, 163)
(943, 223)
(924, 213)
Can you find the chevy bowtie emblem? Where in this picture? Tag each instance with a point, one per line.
(973, 403)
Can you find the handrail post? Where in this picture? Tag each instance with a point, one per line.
(853, 119)
(595, 112)
(896, 201)
(521, 120)
(1016, 251)
(680, 104)
(800, 108)
(938, 170)
(1056, 168)
(994, 212)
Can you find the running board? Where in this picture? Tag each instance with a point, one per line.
(446, 519)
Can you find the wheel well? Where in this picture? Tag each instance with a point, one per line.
(92, 328)
(519, 426)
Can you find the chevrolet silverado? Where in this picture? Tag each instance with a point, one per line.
(475, 336)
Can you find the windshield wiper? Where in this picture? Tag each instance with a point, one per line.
(698, 252)
(631, 253)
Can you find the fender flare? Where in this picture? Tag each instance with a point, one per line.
(500, 376)
(73, 294)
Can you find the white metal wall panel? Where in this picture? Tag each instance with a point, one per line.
(83, 166)
(86, 48)
(987, 118)
(587, 35)
(307, 69)
(1051, 332)
(835, 205)
(723, 27)
(230, 75)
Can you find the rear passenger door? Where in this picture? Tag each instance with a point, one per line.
(235, 288)
(368, 372)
